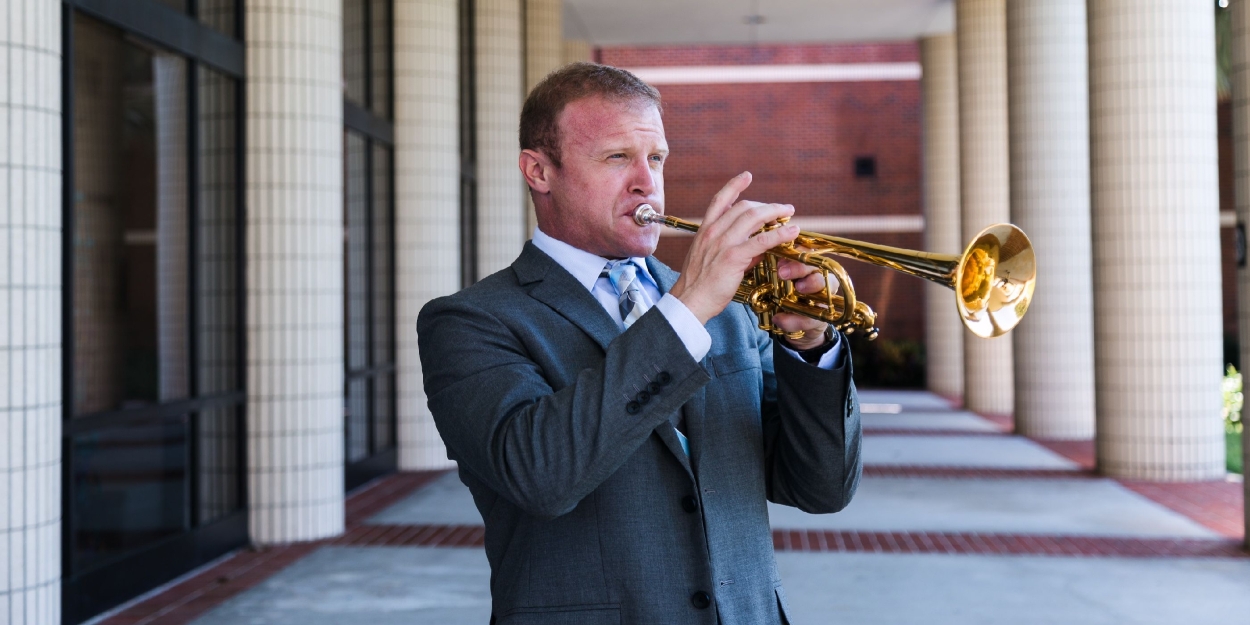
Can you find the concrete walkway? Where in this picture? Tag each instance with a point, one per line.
(955, 522)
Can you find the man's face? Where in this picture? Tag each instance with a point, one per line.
(612, 156)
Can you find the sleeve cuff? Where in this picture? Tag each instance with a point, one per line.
(692, 333)
(827, 359)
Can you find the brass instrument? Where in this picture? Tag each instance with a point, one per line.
(993, 279)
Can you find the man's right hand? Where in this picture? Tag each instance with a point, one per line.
(726, 246)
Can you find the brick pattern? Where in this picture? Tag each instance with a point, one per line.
(826, 541)
(965, 543)
(210, 587)
(1209, 503)
(1215, 504)
(800, 141)
(888, 470)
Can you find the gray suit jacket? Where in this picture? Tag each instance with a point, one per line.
(563, 429)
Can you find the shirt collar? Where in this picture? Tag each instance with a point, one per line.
(584, 266)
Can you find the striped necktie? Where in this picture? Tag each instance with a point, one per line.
(623, 275)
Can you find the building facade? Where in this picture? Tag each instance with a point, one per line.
(221, 217)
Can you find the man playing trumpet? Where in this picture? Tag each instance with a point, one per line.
(622, 426)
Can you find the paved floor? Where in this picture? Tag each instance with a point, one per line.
(955, 522)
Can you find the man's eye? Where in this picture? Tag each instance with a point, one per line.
(618, 156)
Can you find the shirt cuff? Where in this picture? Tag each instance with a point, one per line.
(692, 333)
(827, 359)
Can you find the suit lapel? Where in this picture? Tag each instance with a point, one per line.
(558, 289)
(693, 409)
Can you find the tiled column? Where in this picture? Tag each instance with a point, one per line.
(294, 270)
(944, 333)
(30, 326)
(981, 29)
(169, 77)
(1240, 79)
(500, 89)
(544, 53)
(427, 194)
(577, 50)
(1049, 118)
(1155, 223)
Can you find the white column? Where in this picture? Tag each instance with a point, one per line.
(981, 30)
(1240, 79)
(1049, 119)
(294, 269)
(1155, 224)
(30, 326)
(427, 201)
(944, 333)
(544, 53)
(577, 50)
(169, 78)
(500, 88)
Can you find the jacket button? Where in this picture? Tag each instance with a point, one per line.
(633, 407)
(701, 600)
(653, 388)
(642, 397)
(663, 378)
(689, 504)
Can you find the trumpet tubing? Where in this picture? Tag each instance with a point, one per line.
(993, 279)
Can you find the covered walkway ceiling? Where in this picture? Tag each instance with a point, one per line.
(687, 22)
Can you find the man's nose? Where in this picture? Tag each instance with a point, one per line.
(642, 179)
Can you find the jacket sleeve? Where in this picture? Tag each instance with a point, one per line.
(812, 431)
(545, 449)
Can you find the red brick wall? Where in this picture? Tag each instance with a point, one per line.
(800, 141)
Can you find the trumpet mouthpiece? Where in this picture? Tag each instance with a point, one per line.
(644, 215)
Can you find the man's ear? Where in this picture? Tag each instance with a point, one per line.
(537, 169)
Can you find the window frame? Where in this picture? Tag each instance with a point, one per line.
(100, 586)
(377, 131)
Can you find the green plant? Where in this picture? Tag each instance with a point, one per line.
(1234, 400)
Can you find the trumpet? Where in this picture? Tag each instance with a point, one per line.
(993, 279)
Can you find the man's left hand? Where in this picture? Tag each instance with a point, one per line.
(806, 280)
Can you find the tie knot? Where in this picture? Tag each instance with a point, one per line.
(619, 272)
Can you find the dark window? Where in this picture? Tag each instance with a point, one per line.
(865, 167)
(220, 15)
(153, 306)
(368, 243)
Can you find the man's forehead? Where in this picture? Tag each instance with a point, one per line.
(599, 118)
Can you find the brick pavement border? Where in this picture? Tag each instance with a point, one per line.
(186, 600)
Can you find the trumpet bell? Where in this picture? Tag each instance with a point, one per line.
(995, 280)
